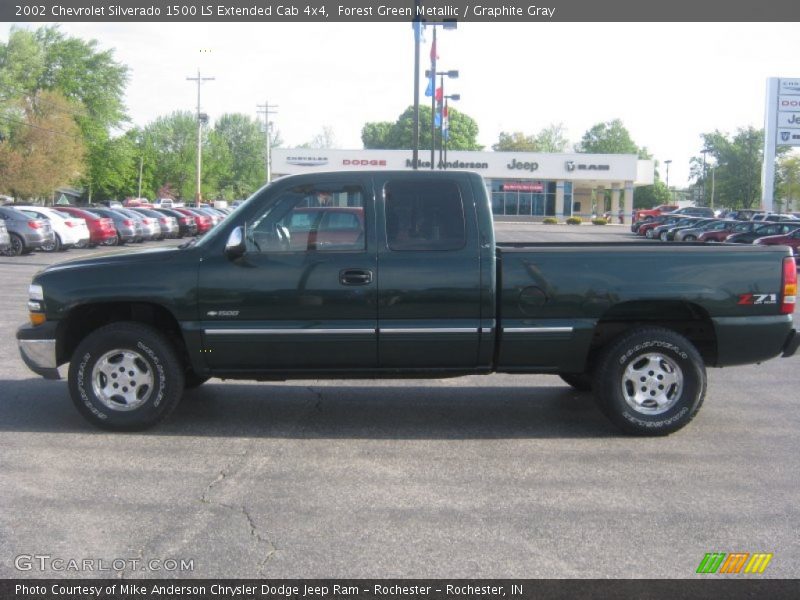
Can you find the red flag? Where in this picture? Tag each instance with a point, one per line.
(439, 94)
(434, 54)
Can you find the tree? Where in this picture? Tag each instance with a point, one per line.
(789, 181)
(549, 139)
(170, 144)
(90, 80)
(43, 150)
(240, 156)
(736, 162)
(399, 135)
(610, 137)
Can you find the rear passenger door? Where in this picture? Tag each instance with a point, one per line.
(429, 273)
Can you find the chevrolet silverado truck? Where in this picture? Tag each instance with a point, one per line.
(397, 274)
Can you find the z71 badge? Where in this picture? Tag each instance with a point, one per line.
(758, 299)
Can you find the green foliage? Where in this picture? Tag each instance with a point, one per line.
(549, 139)
(550, 221)
(170, 145)
(399, 135)
(610, 138)
(788, 180)
(650, 196)
(599, 221)
(33, 63)
(574, 220)
(736, 162)
(238, 156)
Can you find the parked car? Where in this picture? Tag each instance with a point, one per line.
(648, 214)
(791, 239)
(69, 231)
(694, 211)
(692, 234)
(5, 239)
(202, 221)
(101, 229)
(761, 230)
(647, 228)
(127, 229)
(150, 227)
(168, 225)
(324, 228)
(26, 233)
(186, 223)
(774, 217)
(666, 233)
(216, 218)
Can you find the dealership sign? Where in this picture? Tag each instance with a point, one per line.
(788, 113)
(307, 161)
(537, 186)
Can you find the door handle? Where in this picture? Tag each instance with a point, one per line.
(355, 276)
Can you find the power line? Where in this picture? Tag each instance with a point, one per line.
(9, 120)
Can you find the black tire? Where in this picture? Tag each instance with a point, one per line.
(674, 383)
(580, 381)
(663, 236)
(17, 246)
(192, 380)
(53, 246)
(148, 355)
(690, 238)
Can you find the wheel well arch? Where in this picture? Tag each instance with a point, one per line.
(82, 320)
(686, 318)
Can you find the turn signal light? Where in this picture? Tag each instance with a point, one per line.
(789, 296)
(37, 318)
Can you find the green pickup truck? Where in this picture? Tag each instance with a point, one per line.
(397, 274)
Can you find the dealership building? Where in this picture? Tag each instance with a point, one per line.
(525, 186)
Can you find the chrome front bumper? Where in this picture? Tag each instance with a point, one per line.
(40, 356)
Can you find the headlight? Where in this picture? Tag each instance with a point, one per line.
(35, 292)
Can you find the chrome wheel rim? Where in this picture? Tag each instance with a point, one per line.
(122, 380)
(652, 383)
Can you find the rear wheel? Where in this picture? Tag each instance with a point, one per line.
(650, 381)
(17, 246)
(52, 246)
(690, 238)
(125, 376)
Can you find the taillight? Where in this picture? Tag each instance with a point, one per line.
(128, 222)
(34, 224)
(164, 220)
(69, 223)
(789, 295)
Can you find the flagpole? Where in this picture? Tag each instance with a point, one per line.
(433, 102)
(445, 137)
(441, 120)
(415, 154)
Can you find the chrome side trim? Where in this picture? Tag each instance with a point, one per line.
(286, 331)
(41, 353)
(538, 329)
(429, 330)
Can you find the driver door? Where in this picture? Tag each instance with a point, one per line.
(304, 295)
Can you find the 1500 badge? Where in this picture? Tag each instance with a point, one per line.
(758, 299)
(223, 313)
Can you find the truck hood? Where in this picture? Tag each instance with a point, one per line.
(115, 259)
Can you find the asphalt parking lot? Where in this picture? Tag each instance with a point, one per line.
(484, 476)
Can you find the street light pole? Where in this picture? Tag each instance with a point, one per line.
(267, 152)
(705, 150)
(417, 26)
(200, 119)
(433, 101)
(668, 162)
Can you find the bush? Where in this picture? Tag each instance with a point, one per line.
(599, 221)
(550, 221)
(574, 220)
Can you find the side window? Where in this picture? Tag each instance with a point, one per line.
(426, 215)
(313, 218)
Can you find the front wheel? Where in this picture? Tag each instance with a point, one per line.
(650, 381)
(690, 238)
(17, 246)
(125, 376)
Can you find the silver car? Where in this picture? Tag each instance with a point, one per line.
(26, 234)
(5, 239)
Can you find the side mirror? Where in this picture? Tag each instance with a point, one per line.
(235, 247)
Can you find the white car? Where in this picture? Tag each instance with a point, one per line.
(69, 231)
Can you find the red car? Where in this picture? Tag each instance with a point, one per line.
(101, 229)
(649, 213)
(204, 222)
(791, 239)
(323, 227)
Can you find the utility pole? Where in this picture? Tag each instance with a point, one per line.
(201, 118)
(141, 164)
(265, 109)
